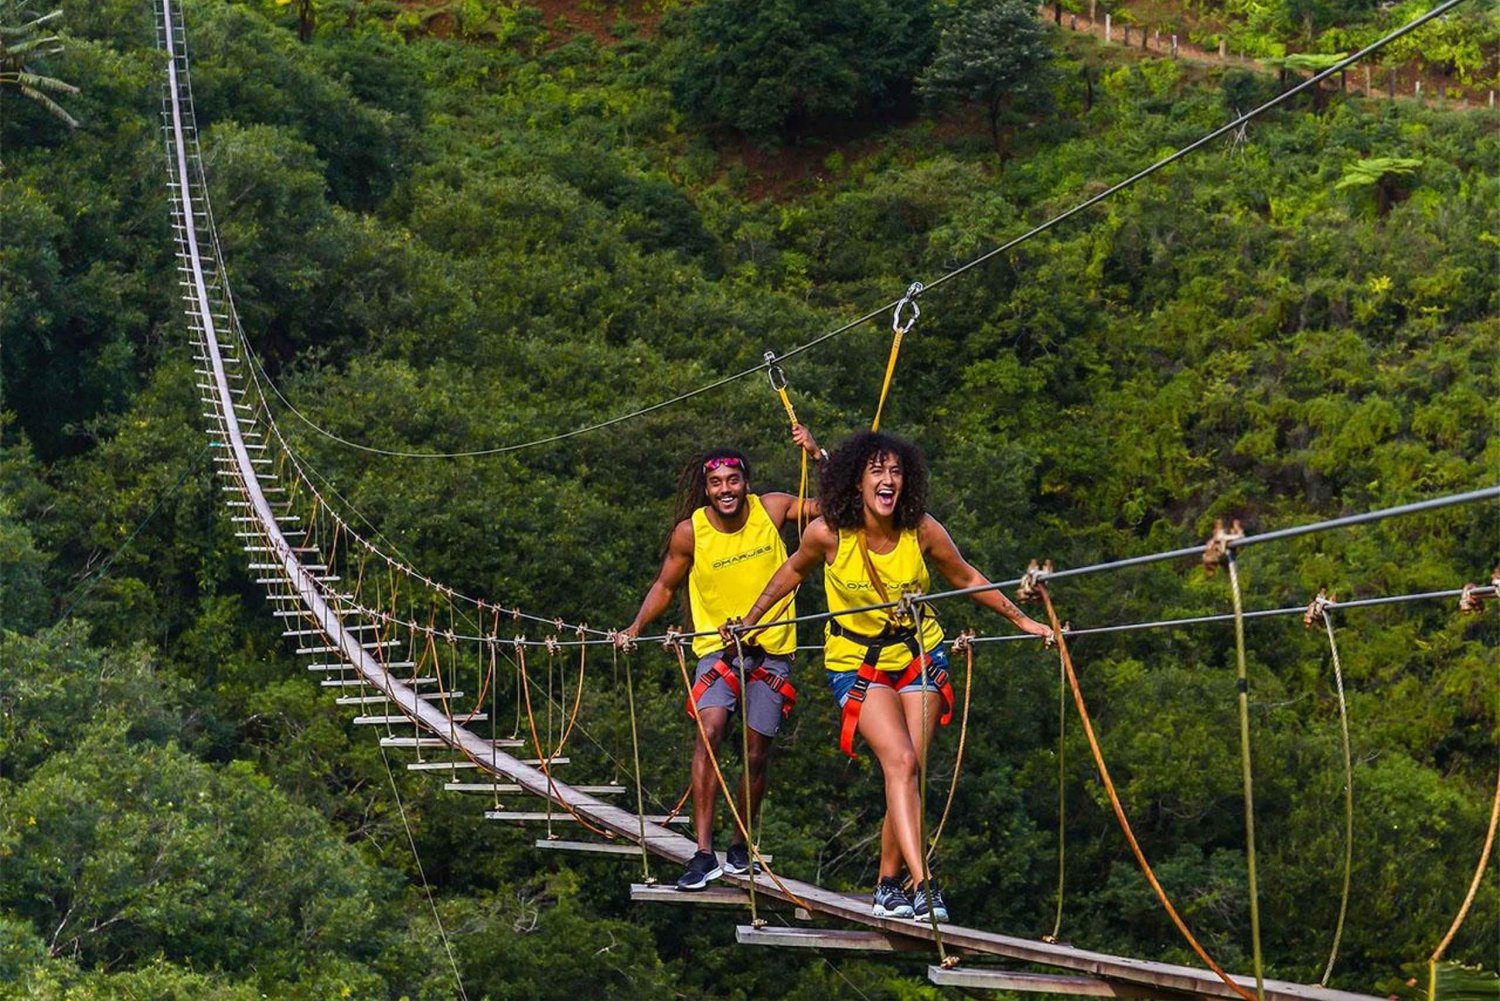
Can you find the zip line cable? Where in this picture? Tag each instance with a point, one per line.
(914, 291)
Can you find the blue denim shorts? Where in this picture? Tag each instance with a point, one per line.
(842, 682)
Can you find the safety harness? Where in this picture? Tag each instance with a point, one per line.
(869, 673)
(721, 669)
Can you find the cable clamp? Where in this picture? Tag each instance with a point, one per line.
(515, 615)
(625, 643)
(1317, 609)
(1470, 601)
(581, 631)
(518, 641)
(559, 624)
(673, 638)
(450, 637)
(1029, 589)
(1216, 549)
(909, 299)
(964, 641)
(553, 647)
(950, 961)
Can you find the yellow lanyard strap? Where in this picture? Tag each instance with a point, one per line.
(898, 331)
(778, 382)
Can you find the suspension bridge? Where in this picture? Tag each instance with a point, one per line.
(389, 643)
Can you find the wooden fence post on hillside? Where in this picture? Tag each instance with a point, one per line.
(1174, 46)
(1092, 5)
(1106, 27)
(1223, 48)
(1156, 40)
(1367, 79)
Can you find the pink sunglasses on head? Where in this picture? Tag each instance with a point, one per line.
(724, 460)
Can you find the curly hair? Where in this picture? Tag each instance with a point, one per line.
(839, 484)
(692, 484)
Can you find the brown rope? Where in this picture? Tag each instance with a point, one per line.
(1114, 799)
(536, 741)
(1463, 912)
(964, 642)
(674, 644)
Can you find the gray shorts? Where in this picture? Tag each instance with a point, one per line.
(763, 714)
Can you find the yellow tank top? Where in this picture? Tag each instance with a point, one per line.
(730, 569)
(847, 584)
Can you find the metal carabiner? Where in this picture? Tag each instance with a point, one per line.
(909, 299)
(774, 372)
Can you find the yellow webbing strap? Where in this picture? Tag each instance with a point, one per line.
(898, 331)
(778, 383)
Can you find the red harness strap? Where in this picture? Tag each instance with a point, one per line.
(721, 669)
(869, 675)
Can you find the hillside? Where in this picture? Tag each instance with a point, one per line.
(464, 226)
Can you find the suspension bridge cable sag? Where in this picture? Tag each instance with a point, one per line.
(915, 290)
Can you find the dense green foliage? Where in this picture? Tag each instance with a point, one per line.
(778, 68)
(453, 243)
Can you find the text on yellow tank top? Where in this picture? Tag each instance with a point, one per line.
(730, 569)
(846, 582)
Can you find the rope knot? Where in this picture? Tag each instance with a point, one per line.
(909, 299)
(673, 638)
(1216, 549)
(1470, 601)
(1317, 609)
(625, 644)
(1029, 590)
(558, 624)
(964, 641)
(450, 637)
(581, 631)
(518, 641)
(906, 605)
(553, 646)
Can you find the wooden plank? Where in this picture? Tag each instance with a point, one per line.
(437, 766)
(1161, 976)
(411, 742)
(536, 816)
(844, 939)
(406, 721)
(990, 979)
(511, 788)
(713, 896)
(590, 847)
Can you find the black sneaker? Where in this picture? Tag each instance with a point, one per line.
(939, 905)
(890, 900)
(737, 861)
(701, 868)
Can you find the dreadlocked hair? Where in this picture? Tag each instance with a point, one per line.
(692, 485)
(839, 484)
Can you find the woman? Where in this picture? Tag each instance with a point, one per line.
(887, 667)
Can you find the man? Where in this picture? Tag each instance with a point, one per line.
(726, 545)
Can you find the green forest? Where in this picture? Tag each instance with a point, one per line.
(455, 227)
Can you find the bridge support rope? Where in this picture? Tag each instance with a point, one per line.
(1114, 800)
